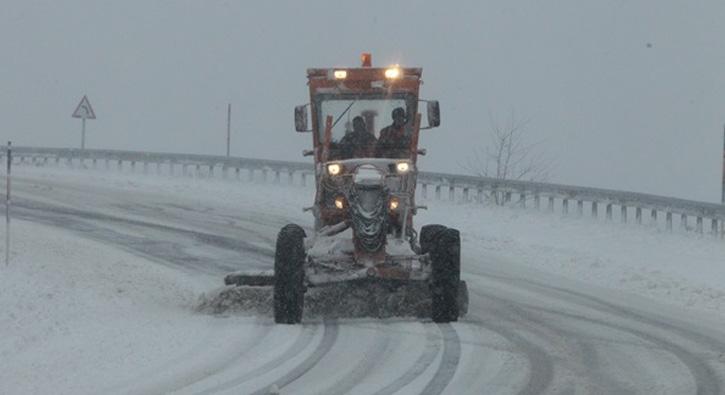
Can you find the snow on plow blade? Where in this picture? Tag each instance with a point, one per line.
(351, 299)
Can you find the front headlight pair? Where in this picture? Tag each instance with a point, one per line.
(334, 169)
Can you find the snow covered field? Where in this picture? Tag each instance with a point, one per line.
(106, 269)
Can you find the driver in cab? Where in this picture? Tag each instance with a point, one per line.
(393, 142)
(358, 143)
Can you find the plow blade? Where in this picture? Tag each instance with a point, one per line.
(254, 279)
(355, 299)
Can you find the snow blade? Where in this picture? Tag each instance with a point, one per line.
(365, 298)
(257, 279)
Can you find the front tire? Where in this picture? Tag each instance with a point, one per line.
(289, 274)
(428, 236)
(445, 280)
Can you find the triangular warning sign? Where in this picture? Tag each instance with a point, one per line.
(84, 110)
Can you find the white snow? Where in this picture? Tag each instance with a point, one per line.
(681, 268)
(78, 316)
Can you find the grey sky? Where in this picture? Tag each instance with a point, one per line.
(612, 111)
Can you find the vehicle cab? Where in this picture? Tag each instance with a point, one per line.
(365, 160)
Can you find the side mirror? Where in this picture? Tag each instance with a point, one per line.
(434, 113)
(301, 118)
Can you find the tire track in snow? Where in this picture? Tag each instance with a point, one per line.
(432, 348)
(541, 371)
(173, 384)
(329, 338)
(368, 362)
(297, 347)
(169, 252)
(706, 380)
(449, 361)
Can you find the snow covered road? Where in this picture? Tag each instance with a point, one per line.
(124, 257)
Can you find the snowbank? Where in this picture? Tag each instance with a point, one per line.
(69, 306)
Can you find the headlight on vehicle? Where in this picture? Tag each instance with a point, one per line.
(393, 72)
(334, 169)
(340, 74)
(339, 202)
(394, 203)
(402, 167)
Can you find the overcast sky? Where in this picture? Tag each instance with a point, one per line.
(623, 94)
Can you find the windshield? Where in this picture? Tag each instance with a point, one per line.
(365, 127)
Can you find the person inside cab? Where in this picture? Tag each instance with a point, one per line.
(359, 143)
(393, 141)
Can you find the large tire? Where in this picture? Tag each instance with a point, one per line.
(289, 274)
(446, 276)
(428, 237)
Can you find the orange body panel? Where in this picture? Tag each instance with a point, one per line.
(325, 83)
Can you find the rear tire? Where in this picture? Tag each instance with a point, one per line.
(289, 274)
(445, 280)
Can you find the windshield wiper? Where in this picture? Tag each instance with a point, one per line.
(343, 114)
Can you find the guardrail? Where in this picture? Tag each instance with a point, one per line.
(458, 187)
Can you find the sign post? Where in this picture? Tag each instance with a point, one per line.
(84, 111)
(7, 205)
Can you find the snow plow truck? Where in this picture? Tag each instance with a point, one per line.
(365, 123)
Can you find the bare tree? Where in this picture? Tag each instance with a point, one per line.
(509, 155)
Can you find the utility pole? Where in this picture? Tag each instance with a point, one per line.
(7, 205)
(722, 199)
(229, 126)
